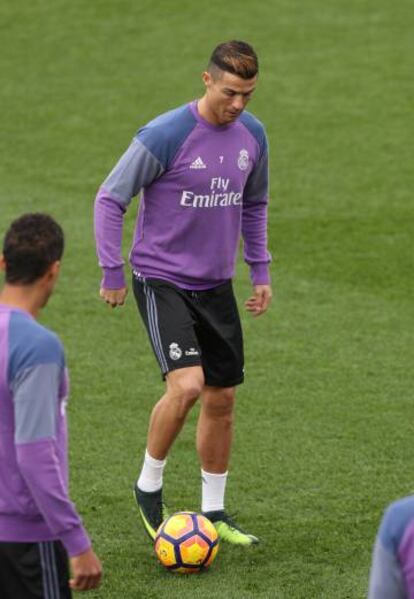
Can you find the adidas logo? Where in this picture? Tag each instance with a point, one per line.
(198, 163)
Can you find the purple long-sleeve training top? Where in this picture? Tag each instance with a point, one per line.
(203, 187)
(34, 501)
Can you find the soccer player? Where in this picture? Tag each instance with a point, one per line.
(203, 169)
(39, 526)
(392, 571)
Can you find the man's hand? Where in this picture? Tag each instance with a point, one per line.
(258, 303)
(86, 571)
(114, 297)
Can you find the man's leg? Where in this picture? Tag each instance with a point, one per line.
(214, 440)
(170, 326)
(215, 428)
(168, 416)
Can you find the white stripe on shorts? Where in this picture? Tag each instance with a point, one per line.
(49, 570)
(154, 327)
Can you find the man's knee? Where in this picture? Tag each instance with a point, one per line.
(219, 403)
(184, 387)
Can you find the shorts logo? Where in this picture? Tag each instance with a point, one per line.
(175, 351)
(191, 352)
(243, 161)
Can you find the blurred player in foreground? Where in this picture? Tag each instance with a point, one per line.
(39, 526)
(392, 571)
(203, 169)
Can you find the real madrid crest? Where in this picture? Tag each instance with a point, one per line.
(175, 351)
(243, 161)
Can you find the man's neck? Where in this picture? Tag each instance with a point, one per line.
(205, 112)
(23, 297)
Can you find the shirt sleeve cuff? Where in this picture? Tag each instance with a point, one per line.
(260, 274)
(76, 541)
(113, 278)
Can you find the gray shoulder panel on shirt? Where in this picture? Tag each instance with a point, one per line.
(256, 128)
(396, 518)
(36, 402)
(137, 168)
(150, 154)
(164, 136)
(257, 186)
(31, 344)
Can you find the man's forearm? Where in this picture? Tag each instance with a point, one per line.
(254, 230)
(39, 466)
(108, 217)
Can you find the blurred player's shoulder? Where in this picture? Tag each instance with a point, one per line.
(31, 343)
(398, 516)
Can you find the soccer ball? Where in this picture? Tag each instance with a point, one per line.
(186, 542)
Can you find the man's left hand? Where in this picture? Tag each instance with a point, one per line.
(258, 303)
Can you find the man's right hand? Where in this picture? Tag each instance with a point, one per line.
(114, 297)
(86, 571)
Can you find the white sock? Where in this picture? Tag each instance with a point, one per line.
(213, 487)
(150, 479)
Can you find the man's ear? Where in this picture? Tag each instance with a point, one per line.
(2, 263)
(52, 272)
(207, 78)
(55, 269)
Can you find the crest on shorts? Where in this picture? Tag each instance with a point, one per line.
(243, 161)
(175, 351)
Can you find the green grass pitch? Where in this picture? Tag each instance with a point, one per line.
(325, 419)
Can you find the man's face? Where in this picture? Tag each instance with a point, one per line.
(227, 95)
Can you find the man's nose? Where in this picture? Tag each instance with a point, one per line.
(238, 103)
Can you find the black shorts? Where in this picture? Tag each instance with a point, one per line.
(34, 571)
(191, 328)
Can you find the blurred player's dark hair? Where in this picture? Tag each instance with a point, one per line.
(235, 57)
(32, 243)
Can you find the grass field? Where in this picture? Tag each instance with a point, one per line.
(325, 419)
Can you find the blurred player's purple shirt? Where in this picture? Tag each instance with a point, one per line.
(392, 572)
(203, 187)
(34, 502)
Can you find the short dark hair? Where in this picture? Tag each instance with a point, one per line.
(235, 57)
(31, 244)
